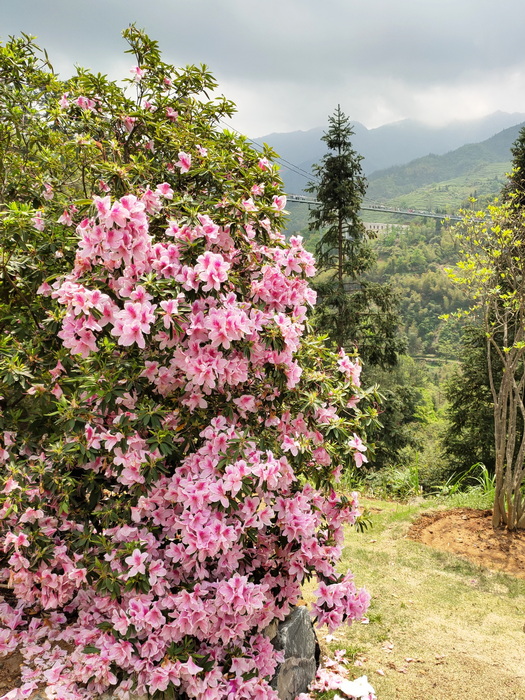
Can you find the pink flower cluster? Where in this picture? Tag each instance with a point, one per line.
(208, 320)
(119, 240)
(339, 601)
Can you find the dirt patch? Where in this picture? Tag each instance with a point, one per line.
(10, 672)
(469, 533)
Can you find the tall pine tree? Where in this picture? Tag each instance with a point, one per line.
(353, 311)
(340, 189)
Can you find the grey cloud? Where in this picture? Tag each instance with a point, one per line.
(297, 57)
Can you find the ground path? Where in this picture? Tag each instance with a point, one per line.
(446, 622)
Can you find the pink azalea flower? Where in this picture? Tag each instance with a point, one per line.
(86, 103)
(170, 308)
(10, 485)
(156, 572)
(246, 403)
(191, 667)
(136, 563)
(48, 191)
(19, 540)
(137, 72)
(279, 202)
(212, 269)
(120, 621)
(352, 370)
(57, 391)
(159, 680)
(44, 289)
(356, 443)
(38, 221)
(321, 456)
(290, 445)
(184, 162)
(9, 438)
(164, 190)
(65, 218)
(129, 123)
(154, 617)
(359, 459)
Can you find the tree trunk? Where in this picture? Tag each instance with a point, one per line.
(340, 248)
(509, 509)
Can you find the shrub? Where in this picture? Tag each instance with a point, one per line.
(172, 433)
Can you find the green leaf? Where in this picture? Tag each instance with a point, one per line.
(89, 649)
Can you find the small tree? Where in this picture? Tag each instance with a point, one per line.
(493, 269)
(355, 312)
(469, 436)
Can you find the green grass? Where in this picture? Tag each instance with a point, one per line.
(461, 621)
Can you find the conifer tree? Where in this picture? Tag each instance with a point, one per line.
(340, 189)
(515, 188)
(354, 311)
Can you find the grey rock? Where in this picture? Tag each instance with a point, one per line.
(296, 637)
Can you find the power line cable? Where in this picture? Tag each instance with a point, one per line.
(281, 161)
(300, 171)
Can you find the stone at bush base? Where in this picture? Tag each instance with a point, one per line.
(296, 637)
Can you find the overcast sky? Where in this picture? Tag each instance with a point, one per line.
(288, 63)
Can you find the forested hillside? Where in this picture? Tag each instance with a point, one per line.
(464, 162)
(413, 255)
(383, 147)
(483, 183)
(414, 448)
(413, 258)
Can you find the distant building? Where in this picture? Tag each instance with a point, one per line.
(385, 228)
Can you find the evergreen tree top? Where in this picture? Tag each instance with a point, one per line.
(337, 138)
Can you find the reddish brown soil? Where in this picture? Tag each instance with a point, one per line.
(469, 533)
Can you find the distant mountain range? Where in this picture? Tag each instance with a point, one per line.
(397, 144)
(459, 163)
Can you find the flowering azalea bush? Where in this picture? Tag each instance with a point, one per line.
(172, 434)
